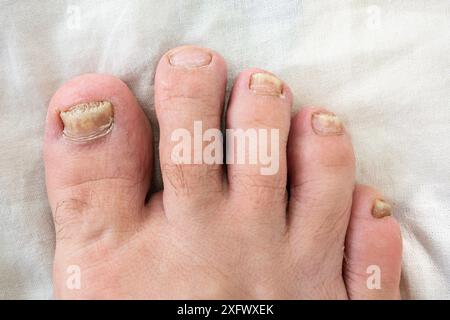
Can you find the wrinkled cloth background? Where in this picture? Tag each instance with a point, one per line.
(383, 66)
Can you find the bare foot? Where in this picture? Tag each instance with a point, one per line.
(271, 229)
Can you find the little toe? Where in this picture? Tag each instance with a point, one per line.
(373, 248)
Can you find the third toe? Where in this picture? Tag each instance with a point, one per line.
(258, 121)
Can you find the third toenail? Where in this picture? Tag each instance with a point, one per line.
(88, 121)
(190, 57)
(381, 209)
(266, 84)
(326, 124)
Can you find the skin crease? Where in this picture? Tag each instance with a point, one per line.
(211, 233)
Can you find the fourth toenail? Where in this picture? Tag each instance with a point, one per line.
(326, 124)
(266, 84)
(88, 121)
(381, 209)
(190, 57)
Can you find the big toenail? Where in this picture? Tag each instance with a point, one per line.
(266, 84)
(88, 121)
(190, 57)
(326, 124)
(381, 209)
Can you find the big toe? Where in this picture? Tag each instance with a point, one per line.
(97, 158)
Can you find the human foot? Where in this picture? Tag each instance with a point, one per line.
(215, 231)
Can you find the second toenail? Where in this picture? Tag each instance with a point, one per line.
(266, 84)
(190, 57)
(326, 124)
(88, 121)
(381, 209)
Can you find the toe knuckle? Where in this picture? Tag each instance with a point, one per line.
(191, 179)
(341, 156)
(67, 213)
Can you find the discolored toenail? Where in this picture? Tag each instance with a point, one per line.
(88, 121)
(190, 57)
(381, 209)
(266, 84)
(326, 124)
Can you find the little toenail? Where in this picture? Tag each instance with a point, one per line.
(190, 57)
(381, 209)
(88, 121)
(326, 124)
(266, 84)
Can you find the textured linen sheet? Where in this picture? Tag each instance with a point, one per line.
(383, 66)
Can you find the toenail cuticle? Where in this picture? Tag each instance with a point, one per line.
(88, 121)
(381, 209)
(326, 124)
(266, 84)
(190, 57)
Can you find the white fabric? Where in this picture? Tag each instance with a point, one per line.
(383, 66)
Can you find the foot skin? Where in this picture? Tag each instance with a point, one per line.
(216, 231)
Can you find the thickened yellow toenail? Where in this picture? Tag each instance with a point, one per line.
(266, 84)
(88, 121)
(381, 209)
(190, 57)
(326, 124)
